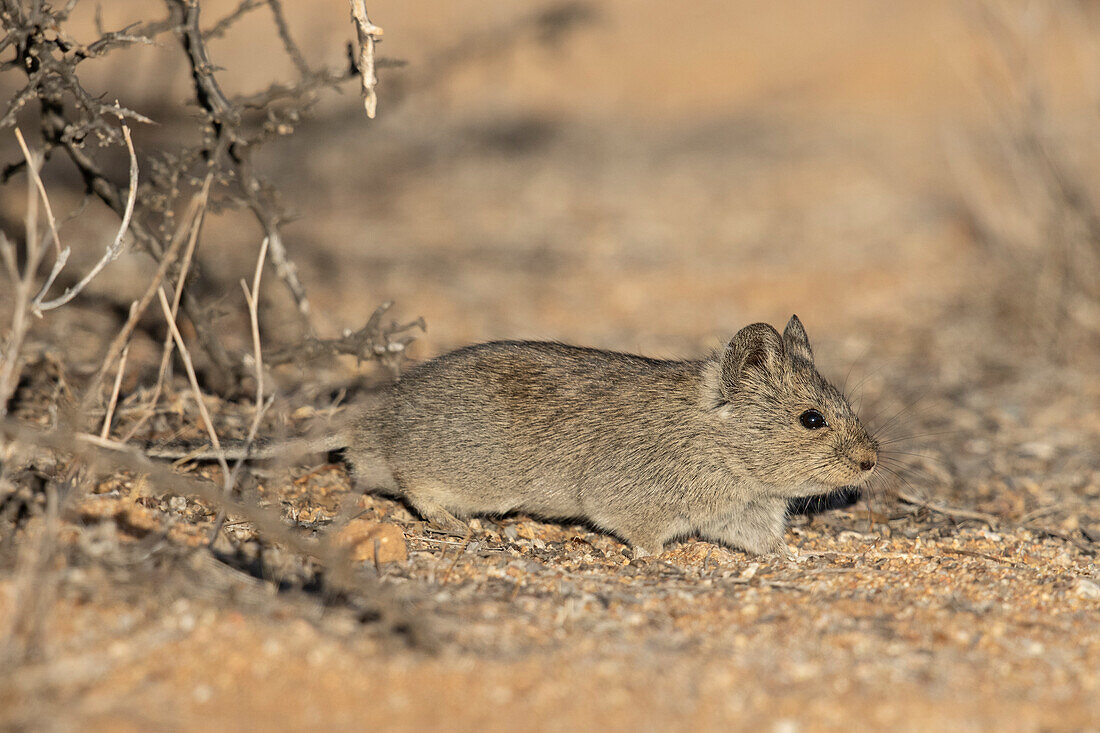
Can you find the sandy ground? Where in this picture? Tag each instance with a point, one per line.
(650, 181)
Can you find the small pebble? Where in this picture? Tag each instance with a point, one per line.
(1087, 589)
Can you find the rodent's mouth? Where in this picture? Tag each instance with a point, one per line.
(859, 475)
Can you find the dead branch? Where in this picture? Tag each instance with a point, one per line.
(110, 255)
(106, 456)
(209, 93)
(22, 284)
(289, 45)
(947, 511)
(70, 116)
(219, 29)
(55, 125)
(225, 118)
(374, 340)
(368, 35)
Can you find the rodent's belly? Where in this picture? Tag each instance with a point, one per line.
(505, 494)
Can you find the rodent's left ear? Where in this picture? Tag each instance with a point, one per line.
(796, 340)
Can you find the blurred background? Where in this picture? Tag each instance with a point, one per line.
(628, 175)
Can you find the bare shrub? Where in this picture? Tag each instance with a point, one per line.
(230, 130)
(46, 470)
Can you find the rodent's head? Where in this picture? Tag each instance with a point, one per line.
(794, 431)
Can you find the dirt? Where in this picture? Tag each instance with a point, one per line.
(650, 182)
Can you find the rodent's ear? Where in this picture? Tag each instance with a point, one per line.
(796, 340)
(756, 350)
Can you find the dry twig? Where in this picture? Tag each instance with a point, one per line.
(947, 511)
(341, 576)
(169, 342)
(110, 255)
(374, 340)
(91, 395)
(368, 34)
(107, 418)
(252, 298)
(207, 422)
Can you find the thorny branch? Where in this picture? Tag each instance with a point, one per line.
(236, 126)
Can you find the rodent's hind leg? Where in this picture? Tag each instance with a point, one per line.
(436, 515)
(370, 472)
(435, 502)
(758, 528)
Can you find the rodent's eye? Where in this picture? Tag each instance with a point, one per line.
(812, 420)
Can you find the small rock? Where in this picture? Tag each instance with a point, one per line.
(1087, 589)
(363, 537)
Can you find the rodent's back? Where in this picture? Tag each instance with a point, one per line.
(530, 422)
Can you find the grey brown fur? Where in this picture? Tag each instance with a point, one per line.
(647, 449)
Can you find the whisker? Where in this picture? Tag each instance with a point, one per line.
(843, 386)
(917, 473)
(906, 459)
(913, 489)
(870, 374)
(891, 453)
(900, 466)
(907, 463)
(902, 411)
(914, 436)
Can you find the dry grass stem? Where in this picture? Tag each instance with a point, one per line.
(181, 283)
(22, 284)
(32, 171)
(185, 355)
(109, 416)
(252, 298)
(914, 500)
(127, 330)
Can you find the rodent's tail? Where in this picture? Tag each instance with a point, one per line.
(260, 450)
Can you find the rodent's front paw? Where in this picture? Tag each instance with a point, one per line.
(783, 551)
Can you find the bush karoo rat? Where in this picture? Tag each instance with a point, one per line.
(647, 449)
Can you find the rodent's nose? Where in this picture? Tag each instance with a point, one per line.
(867, 464)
